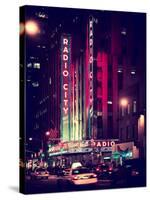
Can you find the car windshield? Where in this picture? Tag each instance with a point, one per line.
(104, 167)
(41, 170)
(80, 171)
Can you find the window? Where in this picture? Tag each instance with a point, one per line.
(99, 122)
(110, 83)
(99, 92)
(121, 133)
(99, 126)
(99, 75)
(35, 84)
(50, 81)
(99, 105)
(122, 111)
(128, 132)
(120, 60)
(133, 131)
(123, 31)
(133, 72)
(128, 109)
(36, 65)
(120, 79)
(110, 126)
(134, 107)
(29, 65)
(110, 107)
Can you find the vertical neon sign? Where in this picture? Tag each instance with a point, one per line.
(90, 114)
(65, 86)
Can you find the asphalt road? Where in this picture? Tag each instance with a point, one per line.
(59, 184)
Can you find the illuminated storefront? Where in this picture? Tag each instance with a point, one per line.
(85, 151)
(124, 151)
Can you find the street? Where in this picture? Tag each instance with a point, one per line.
(59, 184)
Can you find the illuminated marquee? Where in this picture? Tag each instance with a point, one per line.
(67, 146)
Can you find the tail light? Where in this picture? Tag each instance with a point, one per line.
(110, 168)
(75, 178)
(97, 169)
(134, 173)
(94, 176)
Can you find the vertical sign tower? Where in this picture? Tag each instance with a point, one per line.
(90, 70)
(65, 87)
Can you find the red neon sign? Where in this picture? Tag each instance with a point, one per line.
(83, 144)
(65, 73)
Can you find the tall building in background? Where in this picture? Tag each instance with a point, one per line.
(132, 80)
(103, 78)
(40, 84)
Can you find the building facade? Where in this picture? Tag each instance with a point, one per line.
(89, 72)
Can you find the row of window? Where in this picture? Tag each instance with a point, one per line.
(129, 132)
(128, 109)
(34, 65)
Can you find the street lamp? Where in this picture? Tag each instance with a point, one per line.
(141, 120)
(123, 102)
(47, 133)
(31, 27)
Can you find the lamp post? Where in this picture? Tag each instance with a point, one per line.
(30, 27)
(123, 103)
(51, 140)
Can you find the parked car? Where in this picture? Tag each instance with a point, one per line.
(40, 173)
